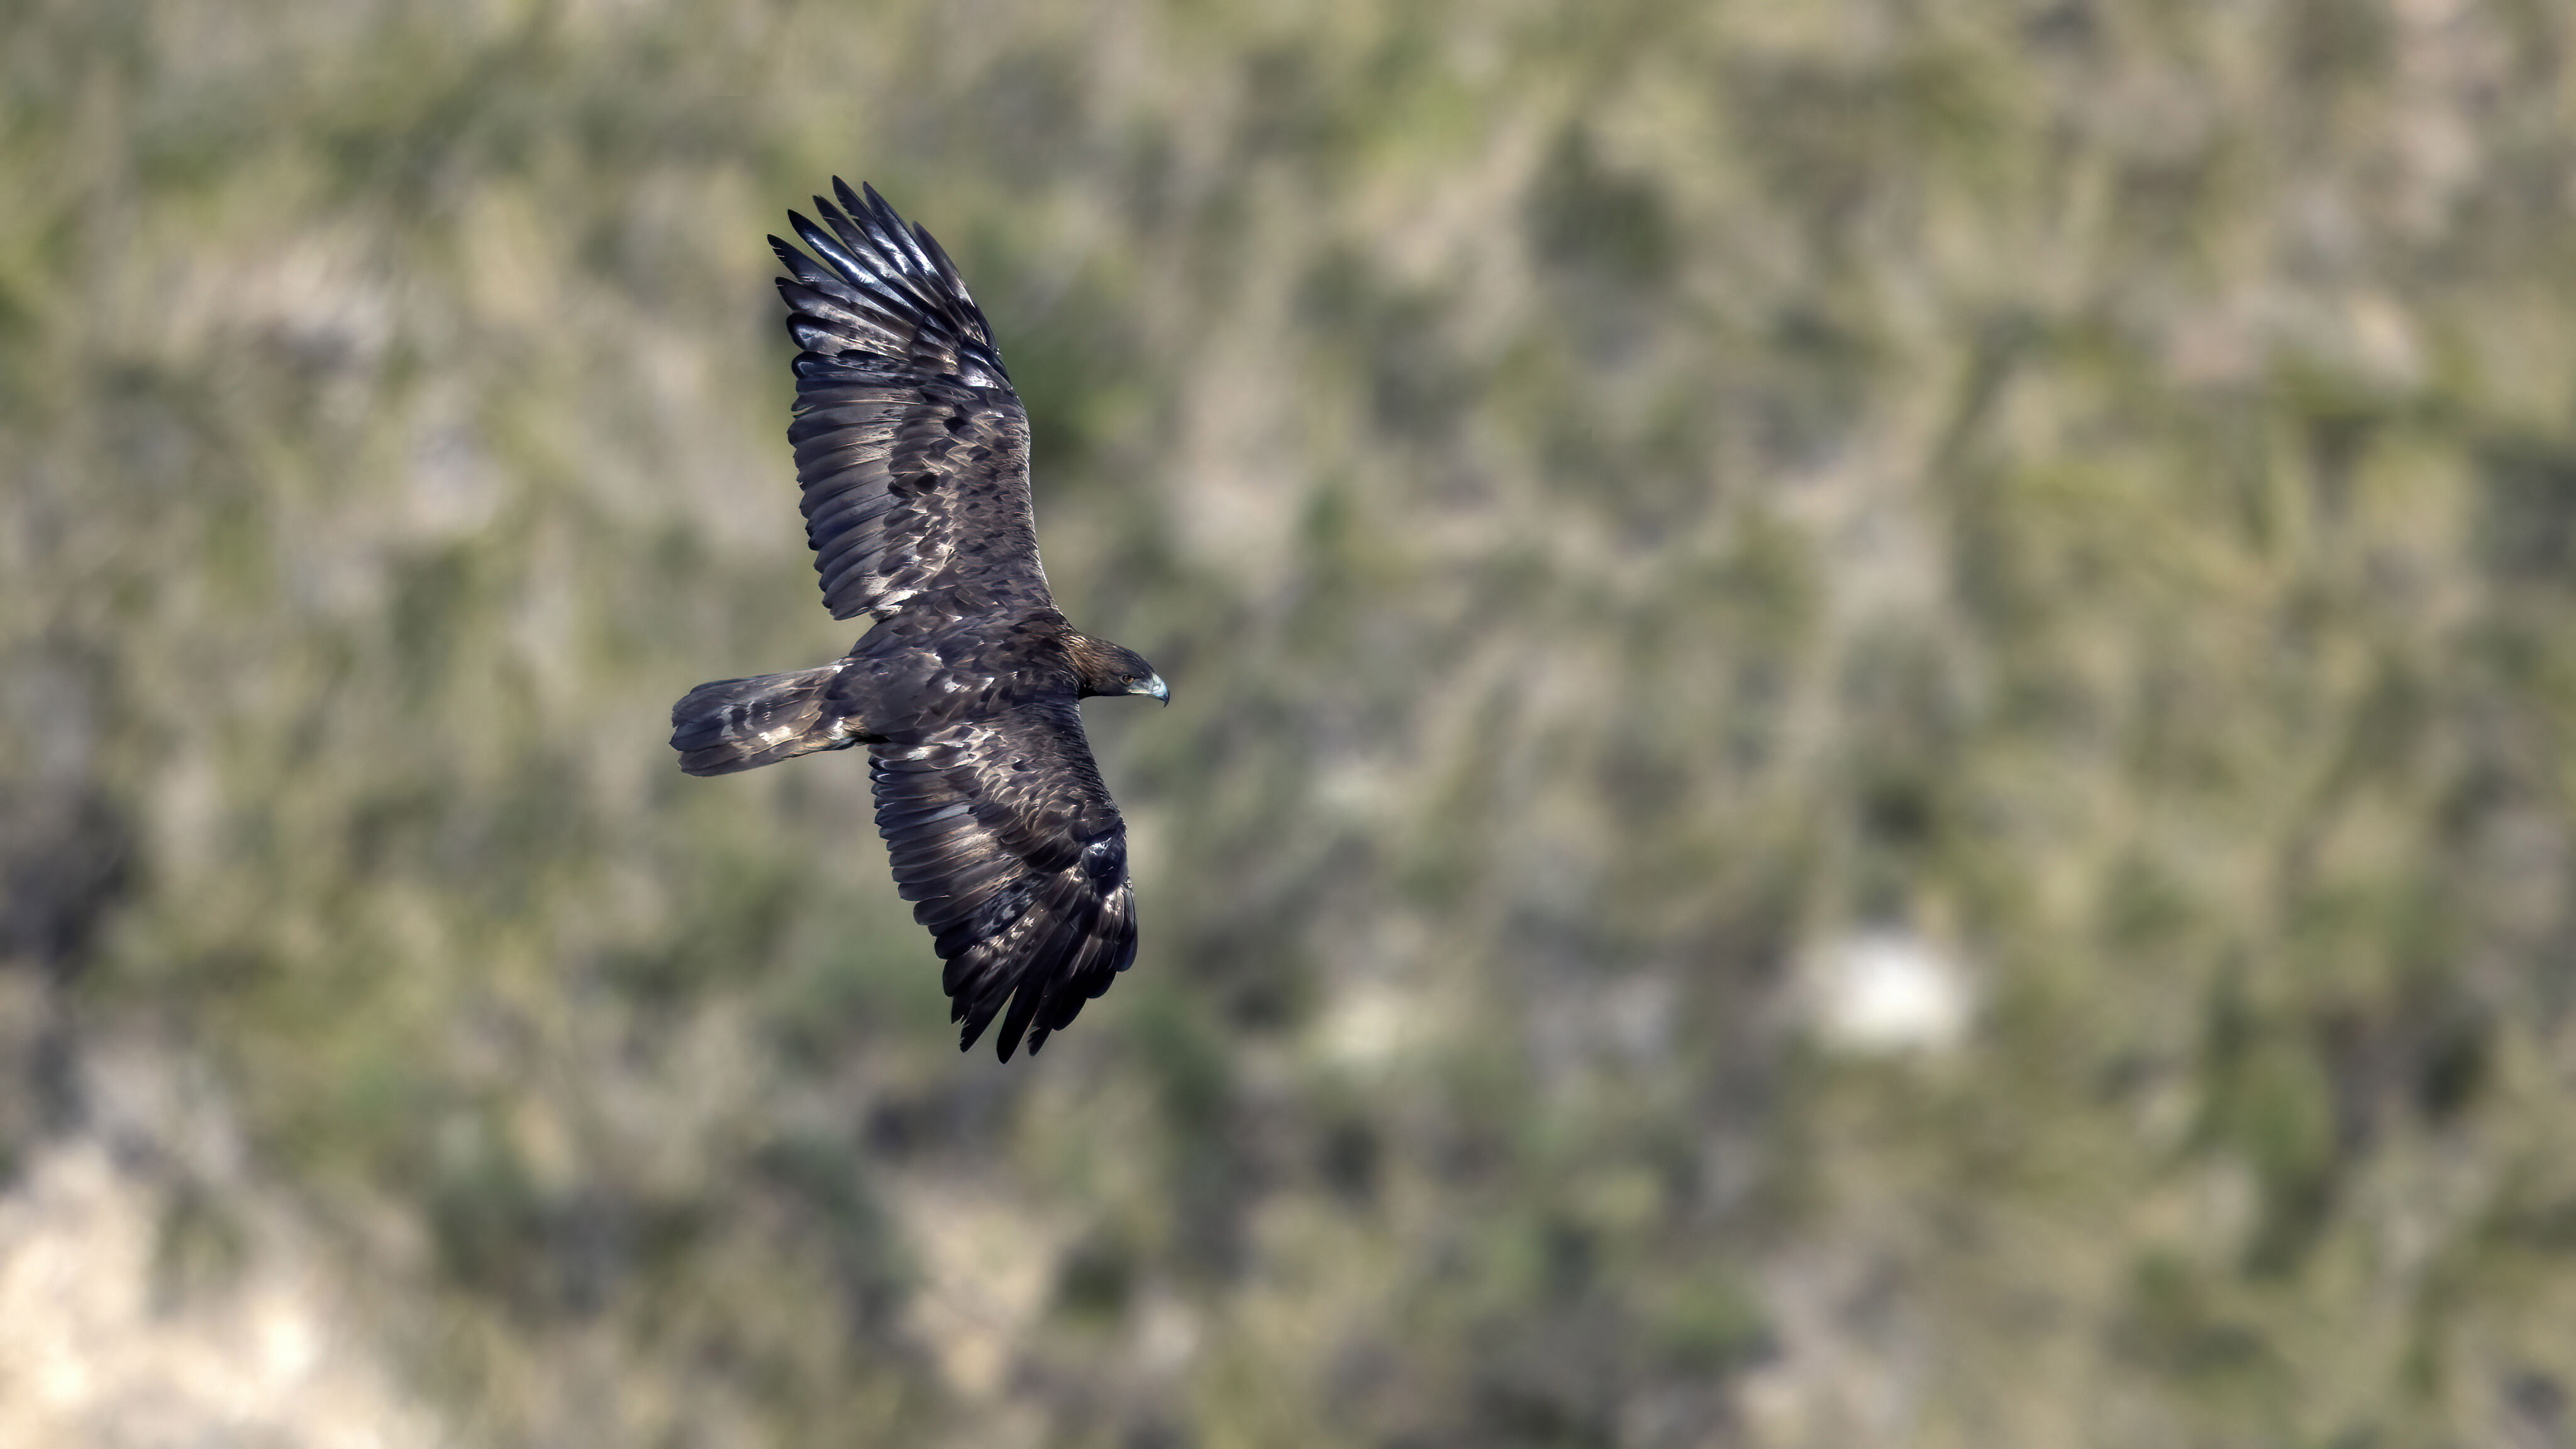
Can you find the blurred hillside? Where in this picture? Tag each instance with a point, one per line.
(1871, 735)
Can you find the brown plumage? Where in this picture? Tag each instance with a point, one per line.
(914, 455)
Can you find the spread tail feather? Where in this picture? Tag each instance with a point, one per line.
(736, 724)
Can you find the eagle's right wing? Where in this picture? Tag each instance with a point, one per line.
(1016, 859)
(910, 443)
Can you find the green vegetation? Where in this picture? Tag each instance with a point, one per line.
(1628, 496)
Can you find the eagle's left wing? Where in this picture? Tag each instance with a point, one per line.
(1016, 859)
(912, 449)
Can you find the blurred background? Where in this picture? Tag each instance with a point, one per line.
(1872, 729)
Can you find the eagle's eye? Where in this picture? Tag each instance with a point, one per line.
(1126, 679)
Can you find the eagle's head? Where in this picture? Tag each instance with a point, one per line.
(1108, 668)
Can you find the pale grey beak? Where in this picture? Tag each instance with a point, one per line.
(1155, 687)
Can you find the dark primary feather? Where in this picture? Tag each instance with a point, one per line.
(913, 453)
(912, 447)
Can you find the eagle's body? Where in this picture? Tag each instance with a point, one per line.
(913, 452)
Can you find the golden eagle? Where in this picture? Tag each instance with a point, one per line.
(914, 455)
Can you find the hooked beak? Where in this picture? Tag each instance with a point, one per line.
(1154, 686)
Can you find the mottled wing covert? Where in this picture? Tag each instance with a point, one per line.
(1007, 843)
(912, 447)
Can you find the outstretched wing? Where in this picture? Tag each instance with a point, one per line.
(1015, 858)
(912, 447)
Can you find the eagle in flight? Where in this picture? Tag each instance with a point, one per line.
(913, 452)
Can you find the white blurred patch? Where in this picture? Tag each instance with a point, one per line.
(1368, 1025)
(101, 1346)
(1884, 991)
(1167, 1336)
